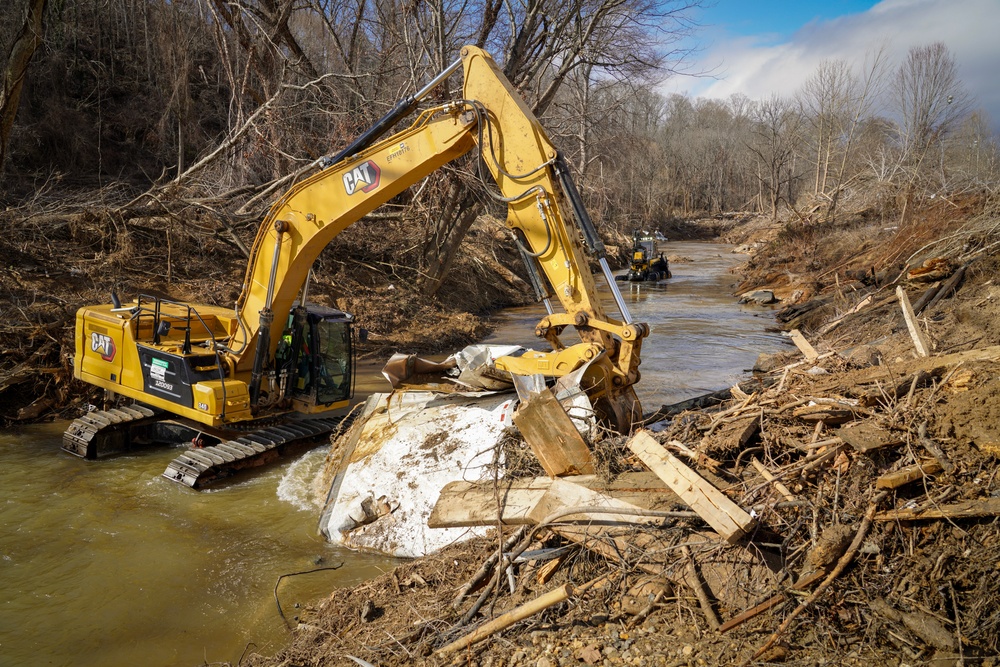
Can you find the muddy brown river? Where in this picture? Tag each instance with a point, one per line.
(106, 563)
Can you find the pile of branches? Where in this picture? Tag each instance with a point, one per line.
(874, 537)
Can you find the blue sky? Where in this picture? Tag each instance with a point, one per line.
(760, 47)
(772, 21)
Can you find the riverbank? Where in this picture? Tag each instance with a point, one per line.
(864, 459)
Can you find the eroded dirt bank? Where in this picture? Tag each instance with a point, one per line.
(866, 474)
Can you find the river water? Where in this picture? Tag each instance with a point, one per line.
(106, 563)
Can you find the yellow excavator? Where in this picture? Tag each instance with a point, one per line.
(246, 383)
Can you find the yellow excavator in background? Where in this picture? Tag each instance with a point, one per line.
(248, 382)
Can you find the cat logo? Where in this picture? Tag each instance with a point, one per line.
(103, 345)
(364, 177)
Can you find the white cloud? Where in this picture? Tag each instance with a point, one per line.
(966, 27)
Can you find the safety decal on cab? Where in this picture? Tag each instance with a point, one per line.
(103, 345)
(365, 178)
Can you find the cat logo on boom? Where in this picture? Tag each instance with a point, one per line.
(364, 177)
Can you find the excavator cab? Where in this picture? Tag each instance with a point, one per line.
(315, 358)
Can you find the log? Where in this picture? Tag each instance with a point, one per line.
(969, 509)
(919, 341)
(526, 610)
(693, 581)
(552, 437)
(911, 473)
(949, 286)
(929, 629)
(921, 303)
(722, 514)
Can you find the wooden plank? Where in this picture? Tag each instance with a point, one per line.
(969, 509)
(908, 474)
(804, 347)
(919, 341)
(553, 438)
(721, 513)
(463, 504)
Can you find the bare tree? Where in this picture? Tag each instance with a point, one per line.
(21, 50)
(774, 135)
(825, 99)
(863, 99)
(931, 98)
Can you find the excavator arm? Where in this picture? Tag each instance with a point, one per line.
(541, 199)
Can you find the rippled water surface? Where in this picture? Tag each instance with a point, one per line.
(106, 563)
(700, 339)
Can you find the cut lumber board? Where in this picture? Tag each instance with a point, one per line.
(724, 516)
(912, 326)
(552, 437)
(911, 473)
(463, 504)
(805, 348)
(969, 509)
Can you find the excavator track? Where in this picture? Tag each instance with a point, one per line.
(103, 432)
(201, 466)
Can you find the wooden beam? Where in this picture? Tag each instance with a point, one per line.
(553, 438)
(722, 514)
(912, 325)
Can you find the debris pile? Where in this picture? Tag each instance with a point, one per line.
(839, 508)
